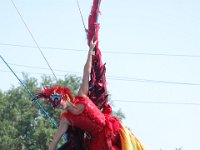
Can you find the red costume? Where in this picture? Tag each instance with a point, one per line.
(105, 131)
(103, 128)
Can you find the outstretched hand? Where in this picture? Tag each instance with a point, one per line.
(92, 44)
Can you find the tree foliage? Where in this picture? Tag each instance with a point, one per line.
(22, 125)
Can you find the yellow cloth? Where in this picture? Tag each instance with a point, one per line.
(129, 141)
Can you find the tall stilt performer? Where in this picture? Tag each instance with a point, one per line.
(87, 116)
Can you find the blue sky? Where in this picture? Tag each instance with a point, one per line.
(140, 41)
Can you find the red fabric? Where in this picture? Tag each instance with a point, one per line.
(98, 90)
(102, 128)
(93, 26)
(107, 109)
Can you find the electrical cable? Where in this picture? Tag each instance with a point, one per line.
(111, 52)
(33, 39)
(120, 78)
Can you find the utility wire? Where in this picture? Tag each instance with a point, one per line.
(111, 52)
(81, 16)
(51, 48)
(44, 68)
(38, 73)
(153, 81)
(157, 102)
(33, 38)
(120, 78)
(147, 102)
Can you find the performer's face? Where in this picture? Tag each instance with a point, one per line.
(63, 104)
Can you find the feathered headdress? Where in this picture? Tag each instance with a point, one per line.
(54, 95)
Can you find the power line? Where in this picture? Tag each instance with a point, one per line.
(111, 52)
(153, 81)
(77, 2)
(112, 77)
(38, 73)
(129, 101)
(156, 102)
(33, 38)
(43, 68)
(140, 102)
(43, 47)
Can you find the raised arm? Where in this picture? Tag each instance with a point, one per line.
(59, 133)
(83, 91)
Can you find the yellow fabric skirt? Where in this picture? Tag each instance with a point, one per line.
(129, 141)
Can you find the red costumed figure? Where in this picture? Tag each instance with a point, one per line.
(87, 117)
